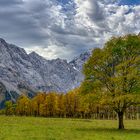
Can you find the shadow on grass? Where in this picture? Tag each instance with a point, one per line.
(110, 130)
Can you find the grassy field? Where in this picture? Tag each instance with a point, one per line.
(29, 128)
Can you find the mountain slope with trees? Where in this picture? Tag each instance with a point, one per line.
(30, 73)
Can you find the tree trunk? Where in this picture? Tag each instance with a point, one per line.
(120, 117)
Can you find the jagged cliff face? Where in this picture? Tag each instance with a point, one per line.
(79, 61)
(20, 72)
(57, 75)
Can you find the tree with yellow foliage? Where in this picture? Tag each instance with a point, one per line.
(23, 106)
(112, 74)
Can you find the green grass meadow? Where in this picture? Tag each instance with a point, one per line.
(31, 128)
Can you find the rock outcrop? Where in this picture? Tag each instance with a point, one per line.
(29, 73)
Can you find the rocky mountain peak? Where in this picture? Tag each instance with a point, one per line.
(78, 62)
(34, 54)
(2, 41)
(21, 72)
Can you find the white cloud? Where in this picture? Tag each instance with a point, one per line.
(51, 52)
(56, 30)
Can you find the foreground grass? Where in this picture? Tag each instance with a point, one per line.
(29, 128)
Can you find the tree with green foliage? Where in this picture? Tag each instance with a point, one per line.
(9, 110)
(112, 74)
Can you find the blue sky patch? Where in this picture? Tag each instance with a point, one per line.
(130, 2)
(64, 1)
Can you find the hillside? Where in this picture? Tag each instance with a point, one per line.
(30, 73)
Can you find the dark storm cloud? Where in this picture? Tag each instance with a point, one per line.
(9, 2)
(18, 25)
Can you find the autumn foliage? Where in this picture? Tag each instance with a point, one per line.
(70, 105)
(110, 90)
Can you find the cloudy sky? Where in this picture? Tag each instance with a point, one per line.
(65, 28)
